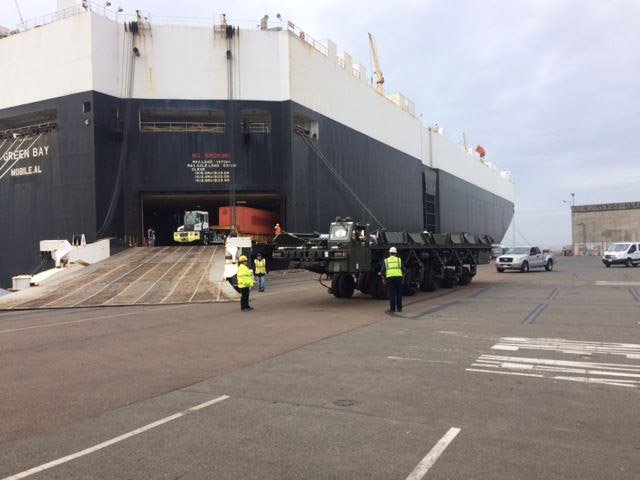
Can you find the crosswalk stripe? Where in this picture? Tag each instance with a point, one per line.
(603, 373)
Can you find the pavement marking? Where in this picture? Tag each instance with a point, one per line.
(430, 458)
(630, 350)
(434, 309)
(419, 359)
(615, 374)
(607, 283)
(635, 294)
(479, 292)
(81, 320)
(529, 319)
(120, 438)
(554, 294)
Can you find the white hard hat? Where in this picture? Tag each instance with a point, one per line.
(393, 250)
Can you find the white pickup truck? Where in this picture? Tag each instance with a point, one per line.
(524, 259)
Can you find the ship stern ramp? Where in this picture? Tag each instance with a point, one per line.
(137, 276)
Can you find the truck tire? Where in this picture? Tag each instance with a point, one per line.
(500, 270)
(525, 267)
(429, 281)
(205, 239)
(449, 280)
(363, 282)
(607, 264)
(465, 276)
(335, 279)
(346, 285)
(549, 265)
(629, 263)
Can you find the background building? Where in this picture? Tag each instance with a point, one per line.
(594, 227)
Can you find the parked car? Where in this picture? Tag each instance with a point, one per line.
(524, 259)
(623, 253)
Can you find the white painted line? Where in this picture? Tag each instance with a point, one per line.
(420, 360)
(562, 363)
(511, 348)
(100, 446)
(88, 319)
(504, 373)
(617, 383)
(607, 283)
(430, 458)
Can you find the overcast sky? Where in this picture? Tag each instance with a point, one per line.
(551, 88)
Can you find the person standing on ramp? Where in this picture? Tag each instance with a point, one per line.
(260, 269)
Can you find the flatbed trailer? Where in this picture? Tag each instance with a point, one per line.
(352, 257)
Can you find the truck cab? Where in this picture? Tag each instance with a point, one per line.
(194, 228)
(347, 247)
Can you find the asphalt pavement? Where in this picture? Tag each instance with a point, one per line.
(516, 376)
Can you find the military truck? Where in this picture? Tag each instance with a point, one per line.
(351, 256)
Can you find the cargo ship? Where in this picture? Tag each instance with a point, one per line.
(111, 124)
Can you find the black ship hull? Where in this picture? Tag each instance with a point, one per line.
(114, 167)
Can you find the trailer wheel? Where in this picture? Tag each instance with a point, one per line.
(429, 280)
(377, 289)
(408, 290)
(346, 285)
(449, 279)
(465, 276)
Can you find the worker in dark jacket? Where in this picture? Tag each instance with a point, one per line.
(245, 283)
(393, 272)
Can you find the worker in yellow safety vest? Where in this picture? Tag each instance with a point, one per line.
(260, 269)
(245, 283)
(393, 272)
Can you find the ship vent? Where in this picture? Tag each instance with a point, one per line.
(180, 120)
(29, 123)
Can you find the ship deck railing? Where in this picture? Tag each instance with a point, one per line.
(190, 127)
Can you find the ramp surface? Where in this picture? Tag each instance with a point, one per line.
(139, 276)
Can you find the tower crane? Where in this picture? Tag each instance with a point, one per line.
(376, 62)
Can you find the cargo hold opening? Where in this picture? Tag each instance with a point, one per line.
(164, 212)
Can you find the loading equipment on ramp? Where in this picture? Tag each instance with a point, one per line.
(351, 257)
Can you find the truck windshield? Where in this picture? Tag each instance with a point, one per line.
(191, 218)
(519, 250)
(618, 247)
(339, 232)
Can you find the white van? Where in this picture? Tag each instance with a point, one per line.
(624, 253)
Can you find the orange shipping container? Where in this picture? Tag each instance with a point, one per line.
(251, 221)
